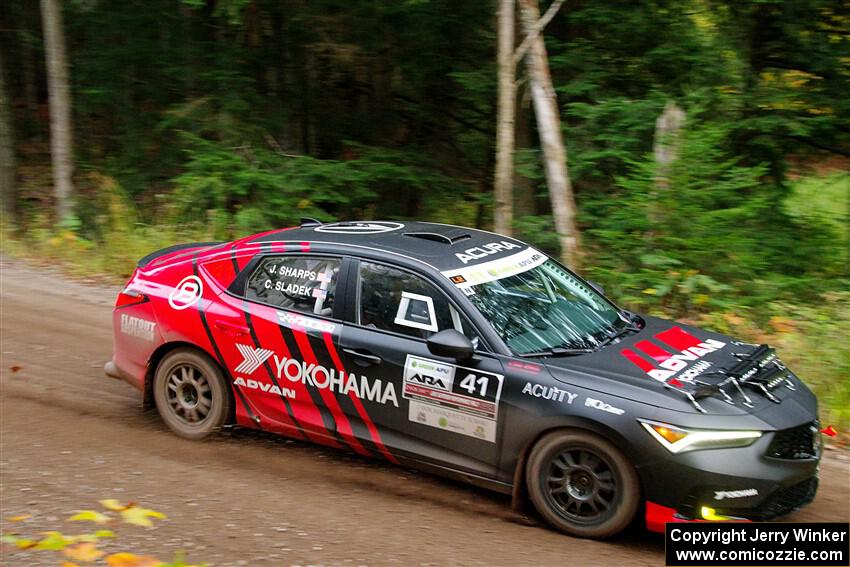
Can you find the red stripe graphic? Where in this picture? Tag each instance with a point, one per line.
(246, 253)
(342, 423)
(304, 411)
(636, 359)
(677, 338)
(289, 427)
(373, 431)
(655, 352)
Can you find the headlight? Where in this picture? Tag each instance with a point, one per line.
(678, 440)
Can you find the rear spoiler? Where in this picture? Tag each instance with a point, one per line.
(154, 255)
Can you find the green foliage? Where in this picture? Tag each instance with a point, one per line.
(822, 201)
(537, 229)
(258, 188)
(708, 235)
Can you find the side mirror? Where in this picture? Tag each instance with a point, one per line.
(596, 287)
(451, 344)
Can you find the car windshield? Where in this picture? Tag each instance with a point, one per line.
(543, 308)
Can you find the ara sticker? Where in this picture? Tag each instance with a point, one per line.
(453, 398)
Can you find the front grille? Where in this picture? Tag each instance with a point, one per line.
(799, 442)
(787, 500)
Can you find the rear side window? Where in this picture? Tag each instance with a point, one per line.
(299, 283)
(402, 302)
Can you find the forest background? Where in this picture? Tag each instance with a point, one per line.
(129, 126)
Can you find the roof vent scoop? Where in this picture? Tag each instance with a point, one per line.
(449, 237)
(307, 222)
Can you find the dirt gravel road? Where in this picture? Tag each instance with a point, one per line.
(69, 437)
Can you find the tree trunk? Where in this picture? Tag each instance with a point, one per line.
(61, 144)
(549, 128)
(503, 186)
(665, 147)
(7, 152)
(525, 198)
(25, 14)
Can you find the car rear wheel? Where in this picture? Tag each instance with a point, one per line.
(191, 394)
(581, 484)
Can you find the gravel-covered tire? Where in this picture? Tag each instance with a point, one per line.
(582, 484)
(191, 394)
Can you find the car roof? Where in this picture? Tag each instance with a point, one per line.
(442, 246)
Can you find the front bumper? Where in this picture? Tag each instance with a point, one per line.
(742, 483)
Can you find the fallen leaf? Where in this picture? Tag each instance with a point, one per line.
(54, 541)
(124, 559)
(104, 533)
(20, 518)
(830, 430)
(69, 564)
(15, 369)
(89, 516)
(85, 552)
(141, 516)
(115, 505)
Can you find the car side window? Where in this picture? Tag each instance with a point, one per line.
(402, 302)
(299, 283)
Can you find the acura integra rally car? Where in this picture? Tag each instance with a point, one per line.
(472, 355)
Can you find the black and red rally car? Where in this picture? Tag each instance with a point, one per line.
(473, 355)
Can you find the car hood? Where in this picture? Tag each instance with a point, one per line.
(683, 368)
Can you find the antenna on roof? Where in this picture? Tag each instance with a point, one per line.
(307, 221)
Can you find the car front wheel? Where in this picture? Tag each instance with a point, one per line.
(191, 394)
(582, 484)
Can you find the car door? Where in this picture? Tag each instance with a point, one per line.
(272, 331)
(444, 411)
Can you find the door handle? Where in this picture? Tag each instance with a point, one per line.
(366, 356)
(231, 329)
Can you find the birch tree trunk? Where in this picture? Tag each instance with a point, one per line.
(61, 144)
(7, 152)
(503, 185)
(549, 127)
(665, 148)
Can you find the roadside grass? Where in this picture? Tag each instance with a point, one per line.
(822, 198)
(111, 259)
(812, 340)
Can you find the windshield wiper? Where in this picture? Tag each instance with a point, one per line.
(614, 336)
(557, 351)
